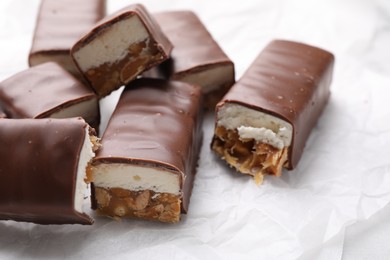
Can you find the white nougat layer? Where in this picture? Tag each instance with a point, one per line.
(210, 79)
(112, 44)
(87, 109)
(86, 156)
(64, 59)
(254, 124)
(136, 178)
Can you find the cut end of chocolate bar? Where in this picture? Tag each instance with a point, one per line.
(119, 49)
(61, 57)
(48, 183)
(252, 141)
(264, 121)
(131, 190)
(87, 153)
(87, 109)
(146, 169)
(215, 81)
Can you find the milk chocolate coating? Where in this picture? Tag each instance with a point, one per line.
(38, 167)
(61, 23)
(156, 123)
(289, 80)
(194, 47)
(195, 53)
(42, 90)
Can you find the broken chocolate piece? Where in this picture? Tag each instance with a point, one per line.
(47, 90)
(43, 165)
(196, 57)
(149, 153)
(264, 121)
(59, 25)
(119, 48)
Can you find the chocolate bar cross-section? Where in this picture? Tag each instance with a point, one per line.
(264, 121)
(119, 48)
(43, 167)
(149, 153)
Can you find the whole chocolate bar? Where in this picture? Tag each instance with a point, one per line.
(43, 165)
(47, 90)
(149, 153)
(196, 57)
(59, 25)
(264, 121)
(119, 48)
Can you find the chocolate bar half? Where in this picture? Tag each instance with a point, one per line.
(47, 90)
(119, 48)
(149, 153)
(263, 122)
(196, 57)
(43, 167)
(59, 25)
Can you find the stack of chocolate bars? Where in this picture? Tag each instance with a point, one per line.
(144, 165)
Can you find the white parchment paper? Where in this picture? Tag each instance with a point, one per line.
(343, 177)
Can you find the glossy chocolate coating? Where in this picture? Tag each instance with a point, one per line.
(61, 23)
(41, 91)
(194, 47)
(291, 81)
(156, 123)
(38, 167)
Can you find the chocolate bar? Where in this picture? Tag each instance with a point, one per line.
(43, 164)
(59, 25)
(264, 121)
(47, 90)
(196, 57)
(149, 153)
(120, 48)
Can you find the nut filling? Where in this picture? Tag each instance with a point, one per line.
(140, 56)
(247, 155)
(145, 204)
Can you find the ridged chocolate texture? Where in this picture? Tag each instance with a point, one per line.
(194, 47)
(291, 81)
(43, 90)
(38, 167)
(156, 123)
(60, 23)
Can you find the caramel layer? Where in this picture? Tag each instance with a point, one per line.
(108, 77)
(248, 156)
(145, 204)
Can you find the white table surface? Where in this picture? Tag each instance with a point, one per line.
(333, 206)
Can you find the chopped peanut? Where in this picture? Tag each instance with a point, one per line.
(145, 204)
